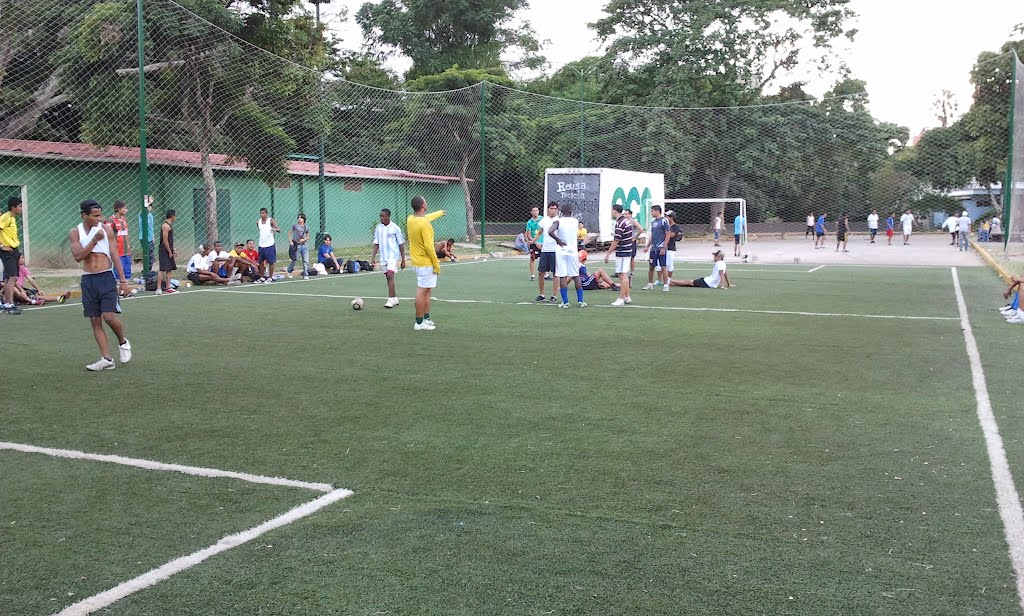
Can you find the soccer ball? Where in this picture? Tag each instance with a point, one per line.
(583, 256)
(357, 303)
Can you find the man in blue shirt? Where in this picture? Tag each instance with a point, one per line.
(657, 250)
(739, 229)
(146, 233)
(819, 231)
(890, 224)
(325, 255)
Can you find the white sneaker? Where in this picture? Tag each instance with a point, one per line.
(424, 326)
(430, 322)
(629, 300)
(159, 292)
(584, 304)
(1016, 320)
(305, 276)
(648, 286)
(126, 351)
(289, 274)
(563, 305)
(618, 302)
(1007, 311)
(390, 303)
(664, 289)
(102, 364)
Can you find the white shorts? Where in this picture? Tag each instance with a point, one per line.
(670, 260)
(622, 265)
(426, 278)
(390, 265)
(907, 230)
(567, 266)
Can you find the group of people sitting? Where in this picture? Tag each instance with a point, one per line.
(26, 289)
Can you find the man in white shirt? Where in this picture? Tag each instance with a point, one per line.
(873, 224)
(963, 229)
(718, 228)
(388, 240)
(567, 261)
(907, 220)
(810, 226)
(950, 224)
(714, 281)
(198, 268)
(548, 248)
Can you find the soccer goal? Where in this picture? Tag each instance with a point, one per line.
(728, 209)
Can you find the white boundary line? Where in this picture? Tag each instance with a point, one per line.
(160, 466)
(161, 573)
(1006, 491)
(630, 307)
(816, 269)
(235, 289)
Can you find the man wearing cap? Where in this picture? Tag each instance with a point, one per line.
(714, 281)
(9, 253)
(964, 231)
(656, 257)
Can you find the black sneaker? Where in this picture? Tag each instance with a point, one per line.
(13, 310)
(540, 298)
(553, 300)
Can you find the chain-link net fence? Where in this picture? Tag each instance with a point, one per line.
(236, 123)
(1014, 243)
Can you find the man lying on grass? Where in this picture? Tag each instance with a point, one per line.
(718, 275)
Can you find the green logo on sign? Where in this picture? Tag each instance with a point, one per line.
(639, 204)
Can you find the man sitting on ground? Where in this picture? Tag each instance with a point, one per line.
(718, 275)
(32, 295)
(325, 255)
(198, 268)
(444, 250)
(246, 266)
(1012, 311)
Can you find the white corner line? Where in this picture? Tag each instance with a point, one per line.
(160, 466)
(816, 269)
(1006, 492)
(161, 573)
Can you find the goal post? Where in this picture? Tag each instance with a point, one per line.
(741, 209)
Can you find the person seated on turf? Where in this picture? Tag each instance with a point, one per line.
(598, 280)
(325, 255)
(444, 250)
(32, 295)
(220, 262)
(717, 277)
(521, 243)
(253, 255)
(581, 234)
(198, 268)
(246, 266)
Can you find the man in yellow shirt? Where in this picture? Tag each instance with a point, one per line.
(9, 253)
(424, 259)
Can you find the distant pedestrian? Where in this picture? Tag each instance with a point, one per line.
(298, 240)
(963, 231)
(873, 224)
(119, 222)
(890, 224)
(907, 220)
(842, 231)
(167, 254)
(739, 228)
(9, 253)
(819, 230)
(810, 226)
(718, 228)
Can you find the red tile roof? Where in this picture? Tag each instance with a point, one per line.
(117, 154)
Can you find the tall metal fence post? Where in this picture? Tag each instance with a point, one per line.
(483, 162)
(144, 231)
(1008, 186)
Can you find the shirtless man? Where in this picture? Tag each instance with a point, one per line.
(92, 245)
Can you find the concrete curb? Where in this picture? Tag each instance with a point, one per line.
(988, 258)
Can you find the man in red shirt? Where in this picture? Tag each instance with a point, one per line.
(254, 255)
(119, 221)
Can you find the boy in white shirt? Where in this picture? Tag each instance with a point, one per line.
(388, 240)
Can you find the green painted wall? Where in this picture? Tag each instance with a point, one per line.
(56, 187)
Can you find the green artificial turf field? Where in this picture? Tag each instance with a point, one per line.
(806, 443)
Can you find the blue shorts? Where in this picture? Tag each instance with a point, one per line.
(223, 271)
(547, 262)
(99, 294)
(268, 254)
(658, 259)
(126, 265)
(736, 238)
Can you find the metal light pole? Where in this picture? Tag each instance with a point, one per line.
(583, 113)
(321, 179)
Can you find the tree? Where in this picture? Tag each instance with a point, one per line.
(208, 91)
(945, 108)
(440, 35)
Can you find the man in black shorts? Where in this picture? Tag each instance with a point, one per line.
(93, 245)
(9, 254)
(167, 254)
(547, 254)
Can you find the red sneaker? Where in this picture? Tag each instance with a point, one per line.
(169, 290)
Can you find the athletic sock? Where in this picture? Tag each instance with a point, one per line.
(109, 358)
(426, 316)
(1016, 301)
(579, 295)
(419, 320)
(565, 295)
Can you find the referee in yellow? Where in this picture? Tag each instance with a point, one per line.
(9, 253)
(424, 259)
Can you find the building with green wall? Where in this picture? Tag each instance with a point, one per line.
(53, 178)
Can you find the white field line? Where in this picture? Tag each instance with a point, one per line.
(160, 466)
(630, 307)
(161, 573)
(816, 269)
(1006, 492)
(235, 289)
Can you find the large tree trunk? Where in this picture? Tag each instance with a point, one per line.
(722, 184)
(45, 97)
(470, 224)
(210, 190)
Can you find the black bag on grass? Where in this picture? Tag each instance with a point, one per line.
(150, 281)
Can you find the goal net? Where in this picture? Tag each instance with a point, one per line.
(700, 215)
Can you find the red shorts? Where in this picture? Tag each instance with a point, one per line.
(888, 232)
